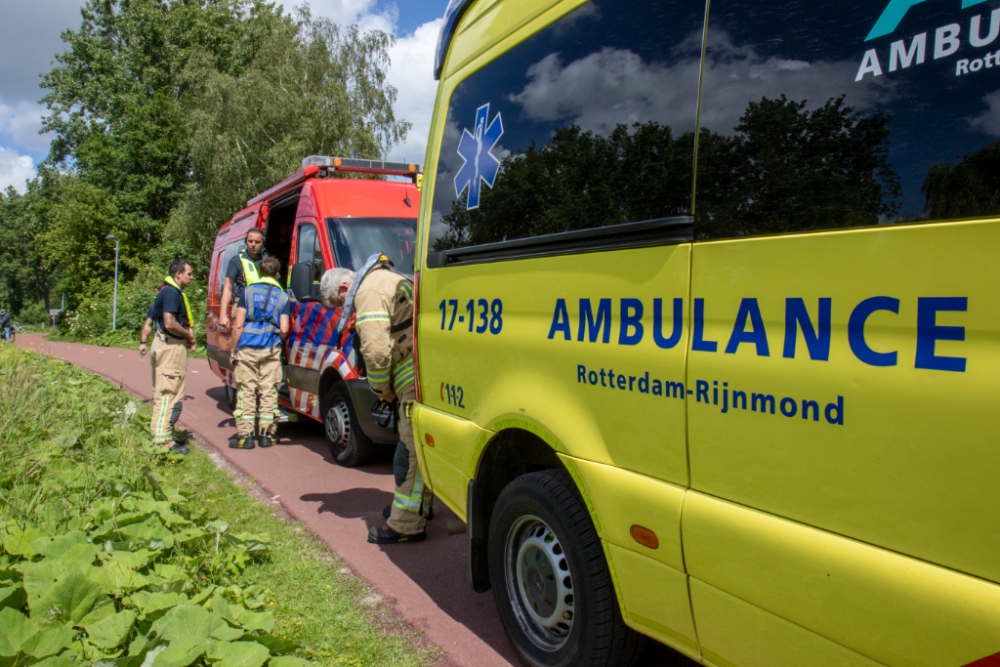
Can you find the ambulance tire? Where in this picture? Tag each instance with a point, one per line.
(540, 531)
(349, 446)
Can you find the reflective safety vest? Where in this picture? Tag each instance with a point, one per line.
(257, 322)
(251, 274)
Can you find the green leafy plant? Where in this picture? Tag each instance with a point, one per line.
(103, 560)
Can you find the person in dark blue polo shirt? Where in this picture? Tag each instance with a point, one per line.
(171, 313)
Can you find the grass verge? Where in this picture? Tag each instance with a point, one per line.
(112, 553)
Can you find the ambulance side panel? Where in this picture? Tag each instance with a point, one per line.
(900, 455)
(502, 351)
(538, 346)
(846, 381)
(826, 494)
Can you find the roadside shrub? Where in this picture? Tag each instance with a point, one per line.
(91, 320)
(34, 313)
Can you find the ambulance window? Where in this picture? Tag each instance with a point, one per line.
(309, 251)
(588, 123)
(820, 114)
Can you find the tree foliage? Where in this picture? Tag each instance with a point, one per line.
(115, 94)
(167, 115)
(784, 169)
(968, 189)
(312, 88)
(787, 169)
(25, 278)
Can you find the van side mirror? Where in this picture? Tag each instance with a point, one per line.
(303, 287)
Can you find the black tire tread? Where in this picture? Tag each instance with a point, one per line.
(614, 643)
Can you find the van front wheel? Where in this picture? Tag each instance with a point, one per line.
(349, 446)
(550, 579)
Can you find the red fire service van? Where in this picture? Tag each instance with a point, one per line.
(313, 221)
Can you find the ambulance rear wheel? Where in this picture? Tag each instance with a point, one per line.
(550, 578)
(349, 446)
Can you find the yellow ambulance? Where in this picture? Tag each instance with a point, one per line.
(709, 326)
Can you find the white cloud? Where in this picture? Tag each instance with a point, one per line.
(20, 123)
(354, 12)
(15, 169)
(412, 73)
(989, 120)
(614, 86)
(29, 39)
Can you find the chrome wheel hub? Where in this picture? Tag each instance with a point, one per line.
(338, 424)
(539, 583)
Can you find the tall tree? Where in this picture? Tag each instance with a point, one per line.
(312, 87)
(25, 277)
(115, 94)
(789, 169)
(968, 189)
(180, 109)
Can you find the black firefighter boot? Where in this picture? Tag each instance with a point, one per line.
(241, 442)
(386, 535)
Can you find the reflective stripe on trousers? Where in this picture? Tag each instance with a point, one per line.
(412, 495)
(168, 359)
(403, 375)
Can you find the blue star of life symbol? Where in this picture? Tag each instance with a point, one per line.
(480, 164)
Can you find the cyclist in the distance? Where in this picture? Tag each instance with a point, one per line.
(5, 325)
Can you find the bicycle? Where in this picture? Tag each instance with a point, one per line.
(14, 328)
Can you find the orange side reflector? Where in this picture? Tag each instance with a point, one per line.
(429, 439)
(413, 168)
(337, 162)
(645, 537)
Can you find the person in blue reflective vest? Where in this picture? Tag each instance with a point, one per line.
(262, 322)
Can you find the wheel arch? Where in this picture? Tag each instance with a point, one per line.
(509, 454)
(330, 377)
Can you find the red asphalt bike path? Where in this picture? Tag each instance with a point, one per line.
(425, 582)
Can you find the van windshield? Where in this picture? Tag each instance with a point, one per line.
(356, 239)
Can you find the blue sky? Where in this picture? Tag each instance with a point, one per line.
(29, 40)
(412, 15)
